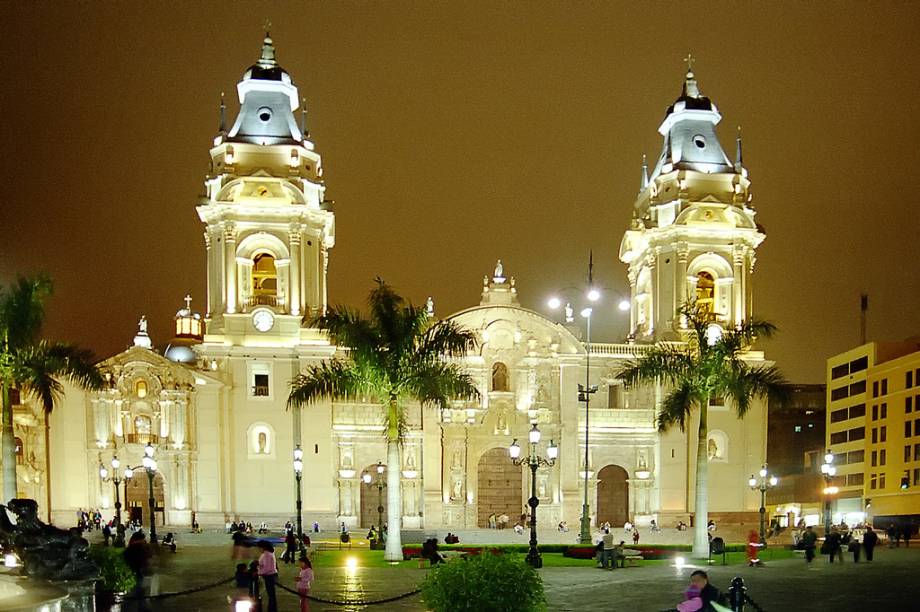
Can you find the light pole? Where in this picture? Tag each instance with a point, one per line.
(298, 474)
(533, 461)
(150, 466)
(763, 484)
(380, 483)
(829, 471)
(116, 479)
(592, 294)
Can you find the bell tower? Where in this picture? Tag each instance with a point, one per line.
(692, 234)
(268, 226)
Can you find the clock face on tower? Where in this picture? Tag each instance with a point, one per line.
(263, 320)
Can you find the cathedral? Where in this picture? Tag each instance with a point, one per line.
(210, 408)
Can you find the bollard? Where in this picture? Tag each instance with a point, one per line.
(736, 594)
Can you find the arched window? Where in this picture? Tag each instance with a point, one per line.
(20, 451)
(140, 388)
(142, 425)
(706, 293)
(499, 377)
(264, 275)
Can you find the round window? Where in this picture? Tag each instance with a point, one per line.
(265, 114)
(699, 141)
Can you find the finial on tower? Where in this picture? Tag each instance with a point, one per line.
(223, 108)
(644, 171)
(267, 59)
(739, 162)
(303, 117)
(429, 306)
(188, 302)
(691, 89)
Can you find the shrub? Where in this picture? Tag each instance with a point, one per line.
(486, 583)
(114, 573)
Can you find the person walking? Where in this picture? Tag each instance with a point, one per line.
(831, 546)
(290, 548)
(809, 539)
(854, 546)
(137, 555)
(892, 534)
(906, 533)
(304, 580)
(635, 534)
(607, 551)
(268, 571)
(870, 539)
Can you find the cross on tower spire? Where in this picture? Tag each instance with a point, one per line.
(188, 302)
(689, 61)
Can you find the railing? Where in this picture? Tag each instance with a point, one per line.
(619, 350)
(273, 301)
(260, 391)
(142, 438)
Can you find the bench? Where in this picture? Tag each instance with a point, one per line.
(632, 557)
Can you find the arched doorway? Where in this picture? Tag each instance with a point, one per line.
(499, 487)
(371, 498)
(137, 502)
(612, 496)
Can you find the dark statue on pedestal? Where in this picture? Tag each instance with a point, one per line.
(45, 551)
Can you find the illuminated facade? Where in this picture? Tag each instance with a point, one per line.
(215, 410)
(874, 430)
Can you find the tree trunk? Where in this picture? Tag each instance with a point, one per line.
(393, 550)
(9, 447)
(701, 514)
(47, 465)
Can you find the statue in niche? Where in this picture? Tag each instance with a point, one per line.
(262, 443)
(499, 377)
(458, 488)
(713, 450)
(502, 422)
(541, 487)
(410, 459)
(457, 461)
(542, 394)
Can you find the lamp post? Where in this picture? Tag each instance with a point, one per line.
(150, 466)
(298, 474)
(380, 483)
(533, 461)
(829, 471)
(763, 483)
(592, 294)
(116, 479)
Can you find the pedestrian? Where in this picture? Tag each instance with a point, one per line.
(290, 548)
(607, 551)
(809, 539)
(831, 546)
(304, 580)
(635, 536)
(700, 595)
(753, 548)
(908, 528)
(870, 539)
(268, 571)
(854, 546)
(892, 534)
(493, 521)
(137, 556)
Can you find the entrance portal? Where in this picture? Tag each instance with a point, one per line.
(499, 487)
(371, 498)
(137, 503)
(612, 496)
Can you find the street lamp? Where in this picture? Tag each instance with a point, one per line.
(762, 484)
(593, 294)
(533, 461)
(150, 466)
(829, 471)
(380, 483)
(298, 474)
(116, 479)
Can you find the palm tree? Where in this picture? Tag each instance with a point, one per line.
(710, 363)
(395, 355)
(34, 366)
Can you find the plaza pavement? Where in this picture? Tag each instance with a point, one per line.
(784, 585)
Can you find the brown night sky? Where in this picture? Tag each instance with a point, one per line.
(454, 134)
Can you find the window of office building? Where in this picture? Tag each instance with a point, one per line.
(841, 370)
(839, 393)
(839, 415)
(908, 405)
(839, 437)
(857, 456)
(874, 458)
(883, 434)
(907, 453)
(875, 435)
(884, 386)
(883, 457)
(854, 480)
(875, 389)
(857, 434)
(909, 380)
(858, 365)
(883, 413)
(859, 410)
(875, 412)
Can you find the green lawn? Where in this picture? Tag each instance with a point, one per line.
(363, 557)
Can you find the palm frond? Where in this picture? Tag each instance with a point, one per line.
(349, 329)
(446, 338)
(335, 378)
(438, 382)
(22, 309)
(385, 306)
(665, 363)
(38, 367)
(676, 407)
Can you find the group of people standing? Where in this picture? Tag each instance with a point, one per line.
(265, 570)
(836, 541)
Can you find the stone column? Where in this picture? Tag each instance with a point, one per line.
(681, 278)
(230, 263)
(738, 288)
(294, 276)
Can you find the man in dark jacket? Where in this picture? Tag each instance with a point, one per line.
(809, 539)
(870, 539)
